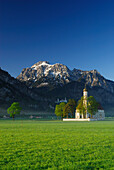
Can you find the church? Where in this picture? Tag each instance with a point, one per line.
(100, 114)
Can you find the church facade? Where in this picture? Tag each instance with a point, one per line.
(100, 114)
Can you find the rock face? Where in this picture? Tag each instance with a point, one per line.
(11, 88)
(44, 74)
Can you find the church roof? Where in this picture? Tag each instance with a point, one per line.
(100, 107)
(84, 89)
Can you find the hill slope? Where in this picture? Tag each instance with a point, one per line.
(12, 90)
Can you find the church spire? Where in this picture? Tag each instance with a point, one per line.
(85, 89)
(85, 96)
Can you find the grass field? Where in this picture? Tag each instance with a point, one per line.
(30, 144)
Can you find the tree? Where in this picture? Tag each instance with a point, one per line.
(72, 104)
(92, 105)
(81, 107)
(69, 108)
(14, 109)
(66, 110)
(59, 109)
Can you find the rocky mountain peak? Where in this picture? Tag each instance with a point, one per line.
(44, 73)
(41, 63)
(44, 69)
(95, 72)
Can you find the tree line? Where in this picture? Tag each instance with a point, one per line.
(64, 109)
(68, 109)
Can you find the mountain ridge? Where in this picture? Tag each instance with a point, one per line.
(44, 72)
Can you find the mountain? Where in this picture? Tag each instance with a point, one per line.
(42, 74)
(13, 90)
(45, 74)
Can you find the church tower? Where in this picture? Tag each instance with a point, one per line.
(85, 96)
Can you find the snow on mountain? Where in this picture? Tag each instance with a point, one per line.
(41, 63)
(44, 69)
(59, 74)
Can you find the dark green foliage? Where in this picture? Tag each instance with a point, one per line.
(14, 109)
(56, 145)
(70, 108)
(66, 110)
(92, 105)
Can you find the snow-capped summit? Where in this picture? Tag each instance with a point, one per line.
(44, 69)
(41, 63)
(43, 73)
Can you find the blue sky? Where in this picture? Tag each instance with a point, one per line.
(77, 33)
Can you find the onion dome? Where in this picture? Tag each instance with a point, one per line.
(85, 89)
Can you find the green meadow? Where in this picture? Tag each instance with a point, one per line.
(32, 144)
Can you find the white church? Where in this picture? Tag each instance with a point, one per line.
(100, 114)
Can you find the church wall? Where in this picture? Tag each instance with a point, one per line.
(77, 115)
(100, 115)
